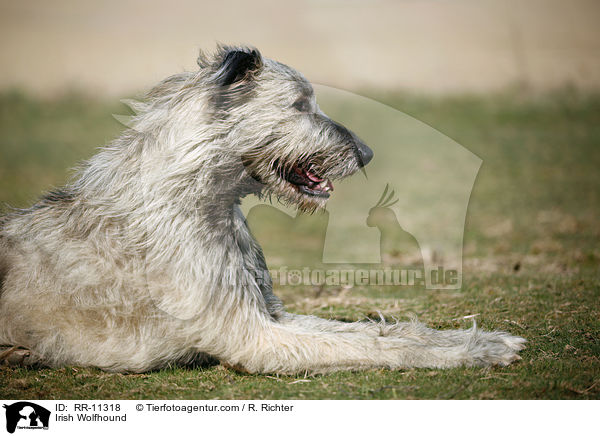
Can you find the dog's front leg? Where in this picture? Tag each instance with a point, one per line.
(411, 329)
(267, 346)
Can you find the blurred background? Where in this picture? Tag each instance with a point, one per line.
(433, 46)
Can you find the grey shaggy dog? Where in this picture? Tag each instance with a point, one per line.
(145, 258)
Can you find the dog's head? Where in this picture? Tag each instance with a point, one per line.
(287, 146)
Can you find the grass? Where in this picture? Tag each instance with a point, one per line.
(531, 261)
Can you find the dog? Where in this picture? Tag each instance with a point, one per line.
(145, 258)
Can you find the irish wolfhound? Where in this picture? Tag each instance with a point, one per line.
(145, 259)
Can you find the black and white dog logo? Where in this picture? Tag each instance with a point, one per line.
(26, 415)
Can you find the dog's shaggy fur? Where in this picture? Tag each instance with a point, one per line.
(146, 259)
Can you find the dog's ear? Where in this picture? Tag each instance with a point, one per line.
(238, 65)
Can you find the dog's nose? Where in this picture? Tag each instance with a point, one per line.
(364, 153)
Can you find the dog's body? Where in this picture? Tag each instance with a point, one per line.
(146, 258)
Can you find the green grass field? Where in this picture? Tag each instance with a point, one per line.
(531, 255)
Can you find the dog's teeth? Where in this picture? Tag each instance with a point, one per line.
(324, 185)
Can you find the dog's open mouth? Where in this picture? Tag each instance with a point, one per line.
(306, 180)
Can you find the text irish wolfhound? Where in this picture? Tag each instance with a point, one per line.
(145, 259)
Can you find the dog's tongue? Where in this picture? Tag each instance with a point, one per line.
(324, 184)
(313, 177)
(305, 177)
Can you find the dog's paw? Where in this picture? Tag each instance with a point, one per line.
(14, 356)
(494, 348)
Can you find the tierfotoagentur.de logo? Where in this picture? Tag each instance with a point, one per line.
(26, 415)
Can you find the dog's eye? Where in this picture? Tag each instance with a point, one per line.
(302, 105)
